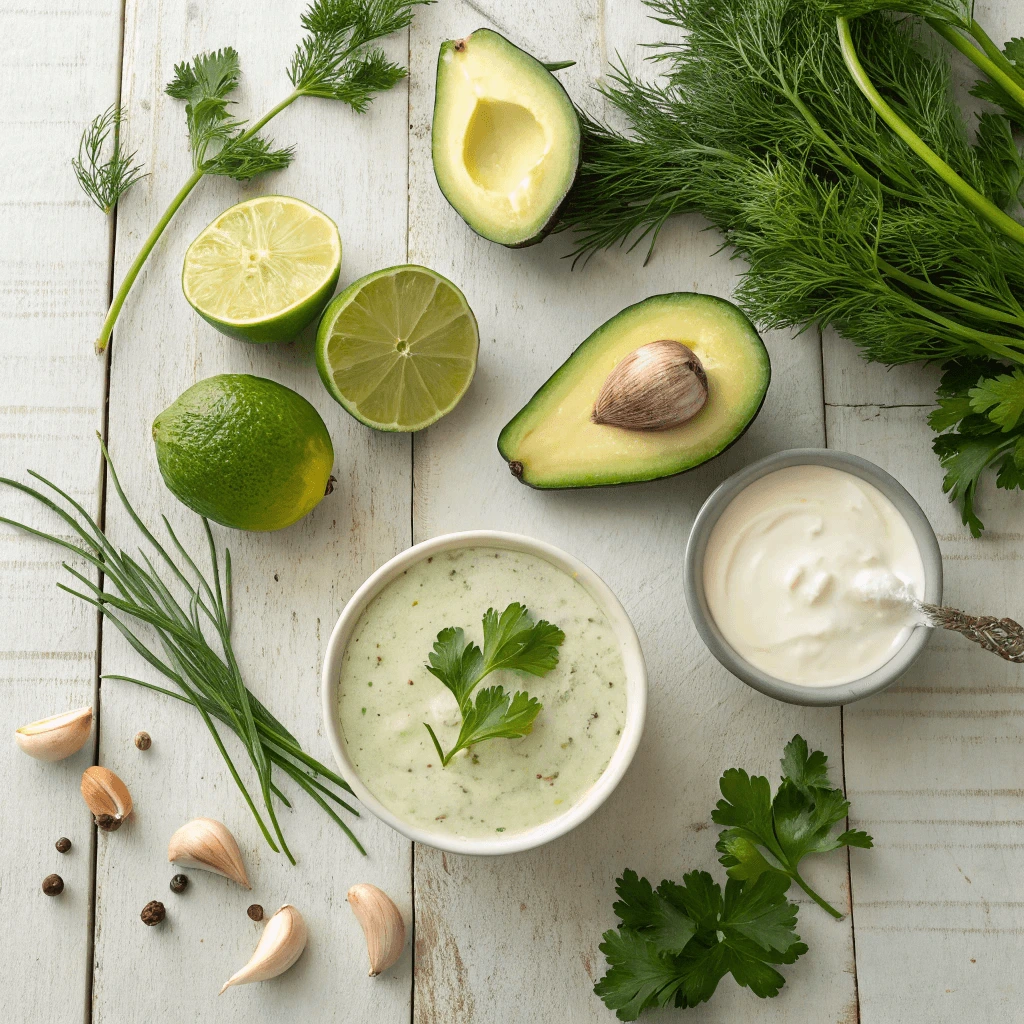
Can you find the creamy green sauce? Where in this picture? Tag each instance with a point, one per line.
(501, 785)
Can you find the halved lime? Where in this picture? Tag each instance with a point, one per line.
(398, 348)
(263, 269)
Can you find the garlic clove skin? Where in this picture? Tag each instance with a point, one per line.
(106, 796)
(56, 737)
(280, 945)
(382, 925)
(206, 844)
(656, 387)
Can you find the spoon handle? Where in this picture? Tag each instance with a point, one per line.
(1004, 637)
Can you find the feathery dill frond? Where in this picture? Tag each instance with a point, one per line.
(334, 59)
(104, 181)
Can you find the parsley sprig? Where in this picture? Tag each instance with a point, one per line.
(766, 834)
(334, 60)
(980, 422)
(512, 640)
(675, 943)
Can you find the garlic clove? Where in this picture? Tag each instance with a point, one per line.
(656, 387)
(280, 945)
(207, 844)
(106, 796)
(56, 737)
(382, 925)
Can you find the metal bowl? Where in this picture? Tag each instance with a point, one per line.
(795, 693)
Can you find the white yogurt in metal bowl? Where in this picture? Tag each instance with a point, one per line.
(784, 569)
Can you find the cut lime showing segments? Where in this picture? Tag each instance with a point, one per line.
(264, 269)
(397, 349)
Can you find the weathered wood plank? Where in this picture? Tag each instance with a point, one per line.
(289, 586)
(54, 270)
(485, 925)
(932, 764)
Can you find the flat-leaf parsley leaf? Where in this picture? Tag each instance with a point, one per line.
(769, 836)
(675, 943)
(512, 640)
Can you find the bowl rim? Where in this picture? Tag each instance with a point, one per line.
(693, 577)
(636, 691)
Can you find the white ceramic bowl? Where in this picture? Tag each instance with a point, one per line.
(632, 657)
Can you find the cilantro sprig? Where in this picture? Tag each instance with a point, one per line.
(767, 834)
(512, 640)
(675, 943)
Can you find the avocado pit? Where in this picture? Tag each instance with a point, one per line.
(655, 387)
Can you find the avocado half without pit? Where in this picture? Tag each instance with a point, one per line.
(505, 138)
(665, 385)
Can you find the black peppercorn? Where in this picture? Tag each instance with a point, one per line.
(153, 912)
(109, 822)
(179, 883)
(63, 845)
(255, 912)
(53, 885)
(143, 740)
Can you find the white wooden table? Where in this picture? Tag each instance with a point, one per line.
(933, 767)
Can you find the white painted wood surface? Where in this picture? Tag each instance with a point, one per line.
(931, 766)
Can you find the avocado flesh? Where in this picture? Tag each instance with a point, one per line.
(554, 441)
(505, 138)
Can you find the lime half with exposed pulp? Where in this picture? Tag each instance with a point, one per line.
(397, 349)
(264, 269)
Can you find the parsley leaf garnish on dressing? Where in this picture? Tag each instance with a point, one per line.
(512, 640)
(766, 835)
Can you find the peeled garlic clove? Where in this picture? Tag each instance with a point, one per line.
(106, 796)
(207, 844)
(655, 387)
(382, 925)
(280, 945)
(56, 737)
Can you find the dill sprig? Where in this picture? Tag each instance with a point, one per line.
(834, 160)
(104, 181)
(335, 60)
(208, 679)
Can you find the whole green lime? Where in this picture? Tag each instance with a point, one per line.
(244, 451)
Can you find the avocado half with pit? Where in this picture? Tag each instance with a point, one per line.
(505, 138)
(665, 385)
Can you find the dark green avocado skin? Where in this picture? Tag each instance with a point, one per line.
(241, 436)
(552, 221)
(516, 468)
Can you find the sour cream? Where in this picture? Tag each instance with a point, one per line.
(784, 571)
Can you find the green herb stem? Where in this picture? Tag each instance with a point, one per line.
(996, 54)
(982, 206)
(927, 288)
(1008, 82)
(154, 236)
(824, 904)
(136, 266)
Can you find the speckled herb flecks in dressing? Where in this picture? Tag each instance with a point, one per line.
(502, 785)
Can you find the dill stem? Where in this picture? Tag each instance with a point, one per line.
(983, 62)
(154, 236)
(147, 247)
(987, 312)
(997, 55)
(982, 206)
